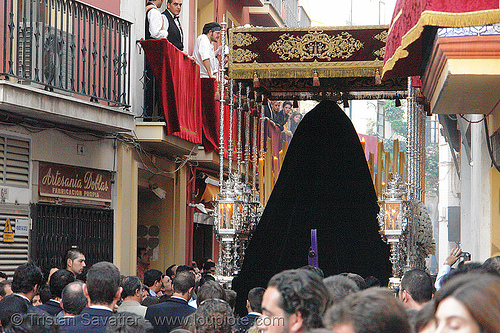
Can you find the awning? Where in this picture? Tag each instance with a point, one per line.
(405, 43)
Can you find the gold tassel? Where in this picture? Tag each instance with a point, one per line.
(378, 79)
(256, 83)
(315, 79)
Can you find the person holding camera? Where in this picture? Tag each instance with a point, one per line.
(455, 255)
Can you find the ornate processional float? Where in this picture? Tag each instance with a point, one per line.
(337, 63)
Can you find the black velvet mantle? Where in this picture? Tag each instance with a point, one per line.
(324, 184)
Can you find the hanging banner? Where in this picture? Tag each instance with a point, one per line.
(178, 80)
(70, 182)
(355, 51)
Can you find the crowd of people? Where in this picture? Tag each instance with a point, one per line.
(186, 299)
(284, 117)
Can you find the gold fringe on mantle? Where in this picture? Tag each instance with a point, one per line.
(293, 70)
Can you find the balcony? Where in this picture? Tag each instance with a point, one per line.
(463, 73)
(269, 14)
(186, 111)
(65, 62)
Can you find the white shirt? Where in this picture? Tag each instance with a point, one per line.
(22, 296)
(100, 307)
(203, 50)
(444, 270)
(158, 23)
(192, 303)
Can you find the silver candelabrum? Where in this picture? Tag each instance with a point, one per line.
(393, 220)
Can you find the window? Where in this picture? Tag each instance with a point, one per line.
(14, 161)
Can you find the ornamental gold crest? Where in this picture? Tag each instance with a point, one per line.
(315, 45)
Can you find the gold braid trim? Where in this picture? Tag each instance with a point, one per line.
(395, 20)
(440, 19)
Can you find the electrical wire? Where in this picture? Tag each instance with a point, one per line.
(488, 144)
(485, 116)
(148, 156)
(487, 133)
(35, 126)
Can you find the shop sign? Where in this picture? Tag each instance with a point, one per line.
(69, 182)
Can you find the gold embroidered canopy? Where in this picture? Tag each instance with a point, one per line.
(284, 59)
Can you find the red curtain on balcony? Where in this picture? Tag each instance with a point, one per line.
(211, 119)
(403, 51)
(178, 79)
(189, 105)
(210, 115)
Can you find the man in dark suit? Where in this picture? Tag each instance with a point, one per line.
(25, 282)
(73, 299)
(103, 289)
(153, 280)
(58, 281)
(254, 308)
(75, 260)
(175, 33)
(168, 315)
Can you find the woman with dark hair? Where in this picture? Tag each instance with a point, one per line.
(469, 304)
(294, 121)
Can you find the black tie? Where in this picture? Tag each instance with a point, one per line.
(176, 18)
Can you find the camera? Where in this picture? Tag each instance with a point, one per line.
(466, 256)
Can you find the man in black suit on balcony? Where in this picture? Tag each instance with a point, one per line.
(175, 33)
(152, 106)
(168, 315)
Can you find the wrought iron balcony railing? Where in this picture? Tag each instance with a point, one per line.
(68, 47)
